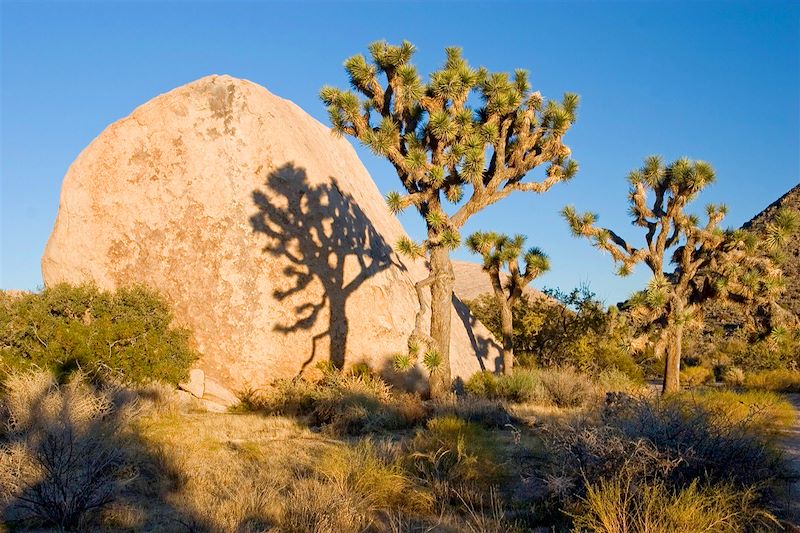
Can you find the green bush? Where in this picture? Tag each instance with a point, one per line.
(127, 333)
(564, 329)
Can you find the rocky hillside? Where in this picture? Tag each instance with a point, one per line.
(791, 268)
(719, 315)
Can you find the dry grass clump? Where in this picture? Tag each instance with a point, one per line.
(620, 505)
(61, 450)
(450, 452)
(318, 507)
(486, 412)
(381, 482)
(694, 376)
(781, 380)
(733, 376)
(760, 412)
(247, 472)
(344, 404)
(521, 387)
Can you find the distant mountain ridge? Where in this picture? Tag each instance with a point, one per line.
(472, 281)
(727, 316)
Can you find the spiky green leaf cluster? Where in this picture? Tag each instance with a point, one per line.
(394, 200)
(432, 360)
(402, 362)
(410, 249)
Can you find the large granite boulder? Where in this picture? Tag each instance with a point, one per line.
(264, 231)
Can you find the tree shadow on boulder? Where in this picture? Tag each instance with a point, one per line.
(325, 236)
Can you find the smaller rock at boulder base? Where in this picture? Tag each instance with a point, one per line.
(196, 384)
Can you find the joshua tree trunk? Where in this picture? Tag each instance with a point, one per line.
(672, 361)
(507, 329)
(441, 305)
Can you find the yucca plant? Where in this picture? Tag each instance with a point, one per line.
(454, 154)
(709, 262)
(498, 252)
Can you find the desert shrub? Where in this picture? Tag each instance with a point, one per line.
(313, 506)
(620, 505)
(708, 435)
(694, 376)
(613, 380)
(761, 412)
(128, 333)
(559, 386)
(779, 349)
(381, 484)
(522, 386)
(666, 443)
(344, 403)
(479, 410)
(733, 376)
(60, 453)
(450, 451)
(779, 380)
(566, 387)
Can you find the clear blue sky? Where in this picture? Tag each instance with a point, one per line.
(714, 81)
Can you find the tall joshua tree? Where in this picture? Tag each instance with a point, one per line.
(499, 251)
(709, 263)
(452, 158)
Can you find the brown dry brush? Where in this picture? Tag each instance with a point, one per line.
(669, 446)
(61, 458)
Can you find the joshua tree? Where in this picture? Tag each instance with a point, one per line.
(498, 251)
(709, 263)
(446, 150)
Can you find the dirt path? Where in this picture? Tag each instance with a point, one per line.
(791, 444)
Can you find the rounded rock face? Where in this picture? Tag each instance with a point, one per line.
(265, 232)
